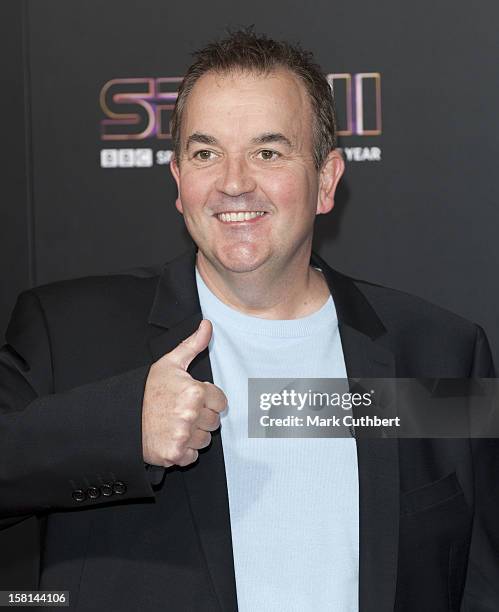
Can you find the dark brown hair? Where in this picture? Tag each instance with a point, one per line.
(245, 50)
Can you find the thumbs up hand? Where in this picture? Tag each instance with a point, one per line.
(179, 412)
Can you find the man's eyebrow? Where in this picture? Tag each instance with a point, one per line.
(266, 138)
(270, 137)
(200, 138)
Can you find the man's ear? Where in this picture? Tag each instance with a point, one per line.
(175, 170)
(330, 175)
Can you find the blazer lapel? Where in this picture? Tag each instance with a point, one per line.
(176, 307)
(378, 466)
(175, 314)
(378, 462)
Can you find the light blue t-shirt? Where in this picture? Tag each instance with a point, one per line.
(293, 502)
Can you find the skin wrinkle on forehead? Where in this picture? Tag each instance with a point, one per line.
(266, 138)
(241, 111)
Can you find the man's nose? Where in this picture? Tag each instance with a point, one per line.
(235, 177)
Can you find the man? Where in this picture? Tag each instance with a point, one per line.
(114, 388)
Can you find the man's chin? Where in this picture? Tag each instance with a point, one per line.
(242, 260)
(241, 266)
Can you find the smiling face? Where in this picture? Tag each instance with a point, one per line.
(247, 184)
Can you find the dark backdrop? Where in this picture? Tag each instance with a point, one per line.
(86, 94)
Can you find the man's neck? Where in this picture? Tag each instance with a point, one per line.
(295, 292)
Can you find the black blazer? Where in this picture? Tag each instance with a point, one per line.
(120, 535)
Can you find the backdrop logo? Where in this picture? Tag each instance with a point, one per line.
(358, 103)
(139, 109)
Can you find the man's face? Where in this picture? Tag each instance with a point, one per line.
(248, 188)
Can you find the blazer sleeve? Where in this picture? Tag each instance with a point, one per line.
(77, 449)
(481, 593)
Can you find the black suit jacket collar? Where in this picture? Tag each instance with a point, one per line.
(175, 314)
(176, 296)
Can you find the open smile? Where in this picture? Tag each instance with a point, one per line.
(241, 217)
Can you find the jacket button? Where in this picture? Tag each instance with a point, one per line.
(106, 489)
(79, 495)
(93, 492)
(119, 487)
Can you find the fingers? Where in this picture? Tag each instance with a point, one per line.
(199, 439)
(215, 398)
(208, 420)
(189, 457)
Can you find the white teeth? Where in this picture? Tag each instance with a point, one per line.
(239, 216)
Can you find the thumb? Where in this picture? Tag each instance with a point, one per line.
(194, 344)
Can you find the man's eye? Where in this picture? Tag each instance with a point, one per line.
(268, 155)
(203, 155)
